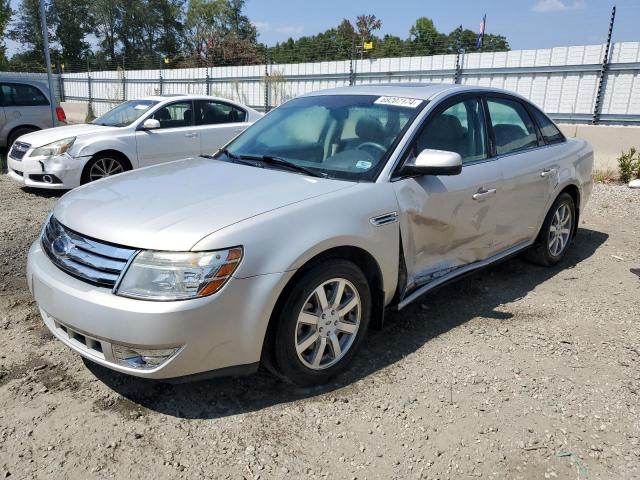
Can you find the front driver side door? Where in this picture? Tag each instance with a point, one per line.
(449, 221)
(175, 139)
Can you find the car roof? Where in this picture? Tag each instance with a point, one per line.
(424, 91)
(185, 96)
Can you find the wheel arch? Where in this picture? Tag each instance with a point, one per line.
(574, 192)
(115, 153)
(360, 257)
(16, 128)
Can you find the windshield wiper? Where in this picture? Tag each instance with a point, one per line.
(269, 160)
(281, 162)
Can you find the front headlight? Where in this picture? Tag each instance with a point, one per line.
(178, 275)
(56, 148)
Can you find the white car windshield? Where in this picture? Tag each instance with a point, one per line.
(339, 136)
(125, 114)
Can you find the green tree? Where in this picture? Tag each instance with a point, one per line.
(27, 32)
(425, 39)
(71, 22)
(5, 17)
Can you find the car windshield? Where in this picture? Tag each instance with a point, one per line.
(125, 114)
(347, 137)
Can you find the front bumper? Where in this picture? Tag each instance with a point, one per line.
(224, 330)
(29, 171)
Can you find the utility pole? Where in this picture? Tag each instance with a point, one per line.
(603, 71)
(47, 57)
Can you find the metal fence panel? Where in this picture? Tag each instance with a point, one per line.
(563, 80)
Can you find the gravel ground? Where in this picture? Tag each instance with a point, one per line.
(517, 372)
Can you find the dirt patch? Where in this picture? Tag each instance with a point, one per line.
(517, 372)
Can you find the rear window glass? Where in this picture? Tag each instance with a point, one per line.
(21, 95)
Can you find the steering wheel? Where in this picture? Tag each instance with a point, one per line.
(374, 145)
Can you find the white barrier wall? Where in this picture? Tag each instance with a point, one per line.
(563, 80)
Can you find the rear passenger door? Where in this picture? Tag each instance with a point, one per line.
(450, 221)
(217, 122)
(529, 171)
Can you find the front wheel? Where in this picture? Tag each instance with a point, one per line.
(102, 166)
(556, 233)
(322, 323)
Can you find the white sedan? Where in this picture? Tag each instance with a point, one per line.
(135, 134)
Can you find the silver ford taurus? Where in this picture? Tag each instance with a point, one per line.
(286, 246)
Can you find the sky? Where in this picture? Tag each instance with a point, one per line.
(525, 23)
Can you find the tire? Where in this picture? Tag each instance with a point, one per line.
(552, 244)
(18, 133)
(102, 166)
(303, 328)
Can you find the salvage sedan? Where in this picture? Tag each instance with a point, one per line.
(288, 244)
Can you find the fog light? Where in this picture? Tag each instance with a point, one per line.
(142, 358)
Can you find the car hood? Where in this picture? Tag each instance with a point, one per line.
(43, 137)
(174, 205)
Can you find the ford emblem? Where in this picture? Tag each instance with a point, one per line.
(61, 246)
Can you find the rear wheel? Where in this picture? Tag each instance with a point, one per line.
(18, 133)
(556, 233)
(102, 166)
(322, 323)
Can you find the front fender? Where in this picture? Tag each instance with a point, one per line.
(285, 239)
(90, 146)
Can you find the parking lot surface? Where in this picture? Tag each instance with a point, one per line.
(516, 372)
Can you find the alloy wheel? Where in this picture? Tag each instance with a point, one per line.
(105, 167)
(560, 230)
(328, 324)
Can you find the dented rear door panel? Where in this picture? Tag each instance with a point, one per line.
(442, 226)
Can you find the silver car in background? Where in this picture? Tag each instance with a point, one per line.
(135, 134)
(25, 108)
(288, 244)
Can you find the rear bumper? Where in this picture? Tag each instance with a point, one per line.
(224, 330)
(66, 169)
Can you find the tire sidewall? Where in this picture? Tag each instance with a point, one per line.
(287, 361)
(551, 259)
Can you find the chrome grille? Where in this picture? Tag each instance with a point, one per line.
(18, 150)
(82, 257)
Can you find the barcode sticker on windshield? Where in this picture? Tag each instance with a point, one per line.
(399, 102)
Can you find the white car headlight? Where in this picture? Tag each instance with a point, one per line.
(178, 275)
(56, 148)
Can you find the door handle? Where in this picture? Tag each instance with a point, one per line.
(548, 172)
(191, 135)
(484, 194)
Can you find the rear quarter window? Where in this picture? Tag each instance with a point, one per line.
(550, 132)
(21, 95)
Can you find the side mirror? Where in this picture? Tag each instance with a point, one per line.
(434, 162)
(150, 124)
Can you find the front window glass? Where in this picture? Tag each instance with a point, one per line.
(512, 126)
(460, 129)
(175, 115)
(341, 136)
(125, 114)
